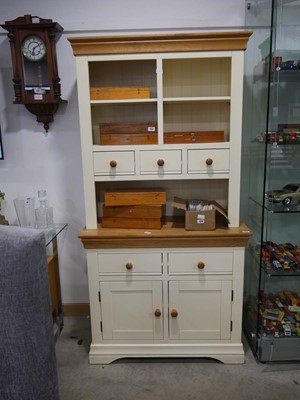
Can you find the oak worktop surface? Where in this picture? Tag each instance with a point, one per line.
(172, 234)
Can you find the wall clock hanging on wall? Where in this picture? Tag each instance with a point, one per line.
(35, 73)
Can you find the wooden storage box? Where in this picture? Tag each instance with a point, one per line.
(119, 139)
(127, 197)
(137, 211)
(119, 92)
(194, 137)
(128, 133)
(136, 216)
(132, 223)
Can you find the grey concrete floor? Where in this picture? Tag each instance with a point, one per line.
(147, 379)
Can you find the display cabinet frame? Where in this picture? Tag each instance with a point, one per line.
(270, 161)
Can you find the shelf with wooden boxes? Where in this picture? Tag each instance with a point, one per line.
(133, 208)
(195, 82)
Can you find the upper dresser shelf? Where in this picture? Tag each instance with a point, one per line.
(162, 108)
(182, 84)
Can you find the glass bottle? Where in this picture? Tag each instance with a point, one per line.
(44, 213)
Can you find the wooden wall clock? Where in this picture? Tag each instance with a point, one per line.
(35, 73)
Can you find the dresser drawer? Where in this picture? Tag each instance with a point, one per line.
(130, 263)
(208, 161)
(114, 163)
(160, 162)
(201, 262)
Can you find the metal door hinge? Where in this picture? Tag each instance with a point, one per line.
(230, 326)
(99, 296)
(101, 327)
(232, 295)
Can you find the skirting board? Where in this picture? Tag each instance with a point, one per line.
(76, 309)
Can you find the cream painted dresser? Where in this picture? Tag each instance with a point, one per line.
(167, 292)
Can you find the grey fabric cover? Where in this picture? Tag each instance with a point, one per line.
(27, 349)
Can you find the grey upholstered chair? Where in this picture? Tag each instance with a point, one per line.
(27, 349)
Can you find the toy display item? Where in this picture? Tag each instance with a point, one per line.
(286, 195)
(278, 314)
(283, 256)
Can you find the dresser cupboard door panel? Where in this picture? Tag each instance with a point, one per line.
(129, 310)
(199, 310)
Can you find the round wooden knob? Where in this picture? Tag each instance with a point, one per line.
(201, 265)
(129, 265)
(209, 161)
(174, 313)
(113, 163)
(157, 312)
(160, 163)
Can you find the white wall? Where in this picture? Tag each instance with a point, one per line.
(34, 161)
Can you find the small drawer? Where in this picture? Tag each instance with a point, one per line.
(114, 163)
(201, 262)
(161, 162)
(130, 263)
(208, 161)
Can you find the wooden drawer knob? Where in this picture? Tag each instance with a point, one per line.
(129, 265)
(160, 163)
(201, 265)
(174, 313)
(113, 163)
(157, 312)
(209, 161)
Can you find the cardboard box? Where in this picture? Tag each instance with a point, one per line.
(119, 92)
(127, 197)
(203, 219)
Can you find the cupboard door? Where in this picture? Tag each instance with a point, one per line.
(130, 310)
(199, 310)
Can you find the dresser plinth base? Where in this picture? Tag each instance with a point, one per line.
(226, 353)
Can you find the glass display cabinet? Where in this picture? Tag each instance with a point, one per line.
(270, 191)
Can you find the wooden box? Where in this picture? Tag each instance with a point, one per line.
(128, 128)
(194, 137)
(119, 92)
(132, 223)
(127, 197)
(128, 133)
(119, 139)
(136, 211)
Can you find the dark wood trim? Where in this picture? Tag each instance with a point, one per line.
(201, 41)
(76, 310)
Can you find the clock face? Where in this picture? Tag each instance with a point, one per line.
(33, 48)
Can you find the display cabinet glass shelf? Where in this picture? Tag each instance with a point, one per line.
(270, 203)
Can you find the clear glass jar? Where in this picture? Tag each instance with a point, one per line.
(44, 213)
